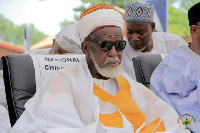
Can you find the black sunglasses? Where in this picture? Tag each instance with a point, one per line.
(107, 45)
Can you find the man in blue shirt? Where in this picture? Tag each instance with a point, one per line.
(177, 79)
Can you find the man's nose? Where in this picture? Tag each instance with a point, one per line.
(135, 37)
(113, 52)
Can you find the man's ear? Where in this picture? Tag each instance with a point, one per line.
(50, 51)
(54, 41)
(153, 26)
(85, 48)
(193, 31)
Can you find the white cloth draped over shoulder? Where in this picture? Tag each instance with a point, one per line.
(4, 118)
(177, 81)
(5, 126)
(2, 91)
(163, 43)
(65, 103)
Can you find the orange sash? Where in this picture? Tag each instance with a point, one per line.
(123, 101)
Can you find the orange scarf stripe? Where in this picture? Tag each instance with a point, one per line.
(123, 84)
(96, 7)
(112, 120)
(128, 108)
(157, 124)
(100, 93)
(123, 101)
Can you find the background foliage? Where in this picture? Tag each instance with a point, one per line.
(13, 33)
(177, 20)
(177, 17)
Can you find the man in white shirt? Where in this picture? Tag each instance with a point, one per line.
(141, 36)
(96, 96)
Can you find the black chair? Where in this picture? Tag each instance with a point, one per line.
(19, 80)
(1, 65)
(20, 83)
(144, 66)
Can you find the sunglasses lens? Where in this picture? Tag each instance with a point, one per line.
(120, 45)
(106, 46)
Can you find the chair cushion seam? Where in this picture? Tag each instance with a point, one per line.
(141, 71)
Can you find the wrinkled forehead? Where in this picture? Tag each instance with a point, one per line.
(107, 32)
(137, 23)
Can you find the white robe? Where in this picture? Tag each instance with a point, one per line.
(65, 103)
(5, 126)
(4, 118)
(163, 43)
(2, 91)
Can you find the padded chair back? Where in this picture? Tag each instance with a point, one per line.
(1, 65)
(144, 66)
(19, 80)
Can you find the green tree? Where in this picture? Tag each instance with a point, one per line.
(177, 17)
(184, 4)
(13, 33)
(35, 35)
(65, 23)
(178, 22)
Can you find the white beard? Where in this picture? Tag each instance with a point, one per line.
(107, 71)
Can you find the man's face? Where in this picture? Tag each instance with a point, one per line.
(104, 60)
(56, 49)
(195, 34)
(198, 32)
(112, 34)
(139, 34)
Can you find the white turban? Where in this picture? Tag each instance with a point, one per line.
(97, 18)
(68, 39)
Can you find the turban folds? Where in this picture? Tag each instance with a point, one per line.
(99, 17)
(68, 39)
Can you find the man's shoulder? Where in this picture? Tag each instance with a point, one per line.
(165, 36)
(178, 57)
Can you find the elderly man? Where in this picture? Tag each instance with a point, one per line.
(96, 95)
(66, 41)
(141, 37)
(177, 79)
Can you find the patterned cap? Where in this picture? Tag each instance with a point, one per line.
(139, 12)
